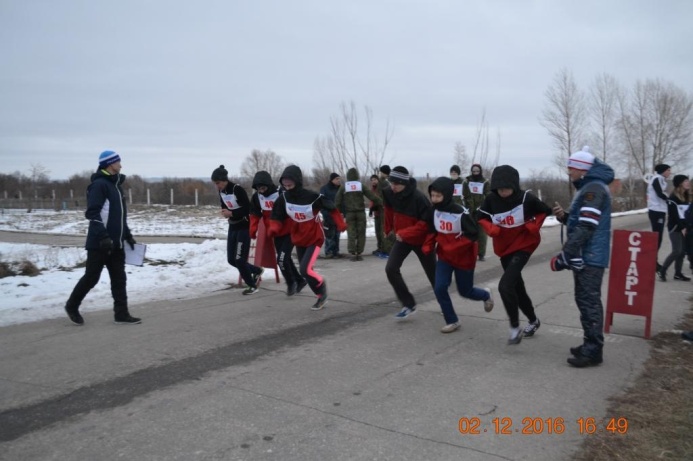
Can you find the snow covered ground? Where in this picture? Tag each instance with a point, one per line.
(171, 271)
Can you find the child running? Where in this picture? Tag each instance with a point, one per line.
(455, 233)
(302, 207)
(235, 207)
(513, 218)
(406, 209)
(261, 205)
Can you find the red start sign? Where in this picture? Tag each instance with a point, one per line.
(632, 276)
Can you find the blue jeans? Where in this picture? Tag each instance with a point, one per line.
(464, 279)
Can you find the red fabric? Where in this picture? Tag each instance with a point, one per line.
(459, 252)
(339, 220)
(411, 230)
(507, 240)
(254, 223)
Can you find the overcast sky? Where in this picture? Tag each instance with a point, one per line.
(179, 87)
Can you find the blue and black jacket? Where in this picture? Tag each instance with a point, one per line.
(106, 210)
(589, 216)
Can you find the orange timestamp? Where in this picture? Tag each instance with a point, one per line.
(538, 426)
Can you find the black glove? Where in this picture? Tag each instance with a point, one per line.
(131, 242)
(564, 261)
(106, 244)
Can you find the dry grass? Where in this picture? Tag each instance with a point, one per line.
(659, 407)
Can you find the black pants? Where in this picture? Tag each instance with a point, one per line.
(237, 251)
(306, 257)
(284, 247)
(588, 297)
(511, 288)
(657, 220)
(114, 261)
(398, 254)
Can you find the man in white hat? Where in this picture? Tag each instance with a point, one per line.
(586, 252)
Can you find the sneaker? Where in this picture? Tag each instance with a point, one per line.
(257, 278)
(301, 285)
(354, 258)
(375, 252)
(405, 312)
(481, 258)
(250, 291)
(127, 320)
(488, 304)
(682, 277)
(359, 257)
(383, 255)
(583, 361)
(449, 328)
(515, 335)
(532, 328)
(338, 256)
(320, 303)
(74, 316)
(662, 275)
(291, 289)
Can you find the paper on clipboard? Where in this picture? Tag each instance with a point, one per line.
(135, 257)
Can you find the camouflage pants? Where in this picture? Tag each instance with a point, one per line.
(356, 231)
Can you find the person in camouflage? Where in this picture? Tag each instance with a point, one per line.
(350, 198)
(475, 188)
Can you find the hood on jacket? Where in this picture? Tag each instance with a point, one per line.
(115, 178)
(505, 177)
(294, 173)
(600, 171)
(446, 187)
(263, 178)
(353, 174)
(476, 177)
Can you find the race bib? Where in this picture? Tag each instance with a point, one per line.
(267, 203)
(458, 191)
(512, 218)
(352, 186)
(476, 187)
(300, 213)
(447, 223)
(230, 201)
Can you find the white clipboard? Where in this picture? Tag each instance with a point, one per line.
(135, 257)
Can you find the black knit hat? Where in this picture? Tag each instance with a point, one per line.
(456, 169)
(385, 169)
(220, 174)
(679, 179)
(334, 176)
(399, 175)
(661, 168)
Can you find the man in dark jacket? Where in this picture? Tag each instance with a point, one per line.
(586, 252)
(106, 238)
(329, 191)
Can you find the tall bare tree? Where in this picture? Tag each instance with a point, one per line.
(262, 160)
(460, 157)
(657, 125)
(564, 116)
(352, 142)
(603, 110)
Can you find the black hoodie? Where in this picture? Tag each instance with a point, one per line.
(262, 209)
(303, 233)
(455, 247)
(510, 237)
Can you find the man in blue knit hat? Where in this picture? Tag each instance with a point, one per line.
(106, 238)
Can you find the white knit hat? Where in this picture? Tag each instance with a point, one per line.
(581, 160)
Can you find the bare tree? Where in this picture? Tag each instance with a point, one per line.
(258, 160)
(603, 109)
(460, 157)
(350, 144)
(39, 173)
(564, 116)
(657, 125)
